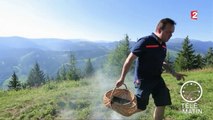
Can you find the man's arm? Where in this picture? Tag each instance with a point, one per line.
(125, 69)
(172, 71)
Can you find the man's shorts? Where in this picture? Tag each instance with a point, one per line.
(154, 86)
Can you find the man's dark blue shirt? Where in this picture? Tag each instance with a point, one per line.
(150, 57)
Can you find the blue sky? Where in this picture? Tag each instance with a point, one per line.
(107, 20)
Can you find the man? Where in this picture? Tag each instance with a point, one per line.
(150, 53)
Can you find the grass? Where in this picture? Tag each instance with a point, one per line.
(83, 100)
(204, 77)
(35, 103)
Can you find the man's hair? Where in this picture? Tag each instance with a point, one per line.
(163, 22)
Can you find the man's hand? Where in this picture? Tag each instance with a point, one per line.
(179, 76)
(119, 82)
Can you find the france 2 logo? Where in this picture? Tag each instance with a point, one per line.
(194, 14)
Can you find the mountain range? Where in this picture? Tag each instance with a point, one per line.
(20, 54)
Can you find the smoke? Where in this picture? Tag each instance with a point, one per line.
(103, 83)
(115, 116)
(86, 102)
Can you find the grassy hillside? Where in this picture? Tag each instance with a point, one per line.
(83, 100)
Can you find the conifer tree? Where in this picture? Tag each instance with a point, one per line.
(14, 83)
(73, 73)
(89, 70)
(48, 79)
(117, 57)
(36, 76)
(199, 61)
(186, 57)
(168, 60)
(58, 76)
(63, 73)
(209, 57)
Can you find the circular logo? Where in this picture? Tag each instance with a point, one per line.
(191, 91)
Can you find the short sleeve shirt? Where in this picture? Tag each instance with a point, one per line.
(150, 57)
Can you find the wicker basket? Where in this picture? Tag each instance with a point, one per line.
(122, 101)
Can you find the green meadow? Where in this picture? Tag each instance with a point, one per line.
(84, 100)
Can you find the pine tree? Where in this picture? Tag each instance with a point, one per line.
(209, 57)
(168, 60)
(24, 85)
(14, 83)
(180, 62)
(199, 61)
(58, 76)
(48, 78)
(117, 57)
(63, 73)
(89, 70)
(73, 73)
(186, 57)
(36, 76)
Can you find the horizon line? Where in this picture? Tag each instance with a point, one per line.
(90, 40)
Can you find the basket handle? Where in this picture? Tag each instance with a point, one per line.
(114, 91)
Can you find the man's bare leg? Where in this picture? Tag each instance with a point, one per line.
(159, 113)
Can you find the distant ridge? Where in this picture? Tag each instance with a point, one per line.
(19, 54)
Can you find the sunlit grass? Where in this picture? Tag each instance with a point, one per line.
(204, 77)
(84, 99)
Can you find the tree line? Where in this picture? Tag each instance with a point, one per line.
(187, 59)
(37, 77)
